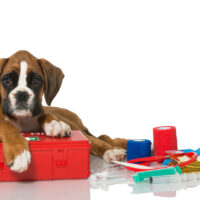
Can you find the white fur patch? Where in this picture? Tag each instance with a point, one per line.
(114, 154)
(22, 86)
(56, 128)
(21, 162)
(23, 73)
(22, 113)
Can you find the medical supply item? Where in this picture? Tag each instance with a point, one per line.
(162, 184)
(187, 150)
(52, 158)
(164, 138)
(146, 171)
(193, 167)
(146, 175)
(132, 165)
(167, 162)
(191, 150)
(104, 177)
(192, 156)
(138, 149)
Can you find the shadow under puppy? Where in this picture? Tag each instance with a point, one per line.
(23, 81)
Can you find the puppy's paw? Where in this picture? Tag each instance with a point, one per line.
(57, 129)
(21, 162)
(114, 154)
(17, 156)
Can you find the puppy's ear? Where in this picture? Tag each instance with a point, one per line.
(3, 62)
(53, 77)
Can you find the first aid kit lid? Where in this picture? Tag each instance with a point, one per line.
(37, 138)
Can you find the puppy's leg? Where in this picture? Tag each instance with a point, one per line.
(120, 142)
(98, 147)
(15, 147)
(53, 126)
(67, 116)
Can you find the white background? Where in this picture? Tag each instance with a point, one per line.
(129, 65)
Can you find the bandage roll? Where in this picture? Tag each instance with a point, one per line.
(138, 149)
(165, 139)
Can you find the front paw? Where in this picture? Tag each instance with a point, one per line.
(17, 156)
(57, 129)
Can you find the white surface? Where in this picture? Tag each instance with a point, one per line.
(42, 190)
(129, 65)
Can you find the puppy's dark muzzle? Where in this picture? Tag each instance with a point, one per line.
(21, 100)
(22, 107)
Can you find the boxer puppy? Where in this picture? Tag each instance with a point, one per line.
(23, 81)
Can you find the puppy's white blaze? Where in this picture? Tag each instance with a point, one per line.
(22, 86)
(23, 73)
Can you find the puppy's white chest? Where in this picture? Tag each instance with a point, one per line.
(28, 124)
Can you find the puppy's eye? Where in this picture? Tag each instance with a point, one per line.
(8, 82)
(36, 82)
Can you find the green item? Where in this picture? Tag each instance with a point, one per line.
(145, 175)
(32, 138)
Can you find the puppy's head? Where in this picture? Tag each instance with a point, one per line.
(23, 80)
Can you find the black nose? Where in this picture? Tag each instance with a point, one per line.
(22, 96)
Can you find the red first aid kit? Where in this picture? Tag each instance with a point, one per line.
(52, 158)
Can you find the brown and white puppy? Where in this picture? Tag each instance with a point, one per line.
(24, 80)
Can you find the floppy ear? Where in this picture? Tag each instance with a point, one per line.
(3, 62)
(53, 77)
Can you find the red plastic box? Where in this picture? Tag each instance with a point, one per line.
(52, 158)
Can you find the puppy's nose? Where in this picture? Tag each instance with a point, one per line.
(22, 96)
